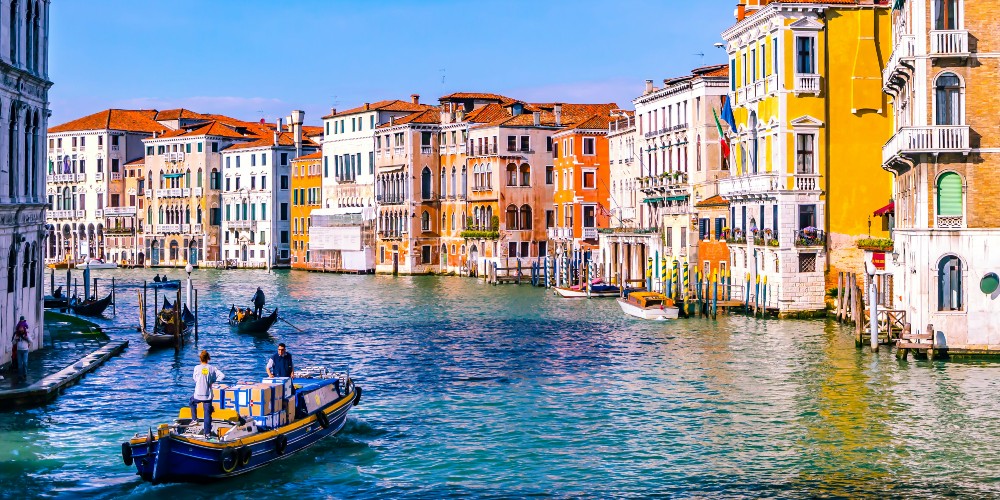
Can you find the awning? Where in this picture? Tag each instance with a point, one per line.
(653, 200)
(886, 210)
(676, 198)
(172, 176)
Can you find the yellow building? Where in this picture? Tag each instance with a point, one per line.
(810, 121)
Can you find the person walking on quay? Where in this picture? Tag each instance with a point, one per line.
(258, 303)
(280, 365)
(204, 376)
(22, 344)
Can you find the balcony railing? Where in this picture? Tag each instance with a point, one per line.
(173, 192)
(810, 237)
(99, 176)
(178, 156)
(196, 191)
(738, 185)
(949, 222)
(117, 211)
(64, 214)
(767, 237)
(590, 233)
(67, 177)
(949, 43)
(99, 213)
(929, 139)
(116, 176)
(904, 49)
(807, 84)
(397, 151)
(806, 182)
(241, 224)
(168, 228)
(390, 199)
(560, 233)
(195, 228)
(426, 150)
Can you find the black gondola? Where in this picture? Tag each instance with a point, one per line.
(56, 300)
(252, 325)
(91, 307)
(164, 333)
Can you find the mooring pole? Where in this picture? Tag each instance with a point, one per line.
(114, 298)
(873, 313)
(196, 316)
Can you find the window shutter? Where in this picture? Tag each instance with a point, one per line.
(950, 195)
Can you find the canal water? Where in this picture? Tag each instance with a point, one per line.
(472, 390)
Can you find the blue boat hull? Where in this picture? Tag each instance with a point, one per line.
(173, 458)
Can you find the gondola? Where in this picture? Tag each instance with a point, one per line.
(165, 285)
(91, 307)
(249, 325)
(56, 300)
(165, 334)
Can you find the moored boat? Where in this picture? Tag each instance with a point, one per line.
(179, 453)
(252, 324)
(97, 264)
(56, 300)
(595, 291)
(166, 284)
(91, 307)
(648, 305)
(165, 333)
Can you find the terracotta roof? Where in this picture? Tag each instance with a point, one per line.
(137, 161)
(427, 116)
(388, 105)
(486, 113)
(284, 139)
(477, 95)
(596, 122)
(572, 114)
(114, 119)
(316, 155)
(714, 201)
(213, 128)
(176, 114)
(311, 130)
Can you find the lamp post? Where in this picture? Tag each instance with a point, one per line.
(188, 269)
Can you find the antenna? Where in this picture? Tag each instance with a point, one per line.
(702, 54)
(442, 71)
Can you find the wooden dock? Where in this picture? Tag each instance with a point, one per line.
(49, 387)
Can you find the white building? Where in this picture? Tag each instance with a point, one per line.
(86, 159)
(349, 184)
(24, 88)
(256, 196)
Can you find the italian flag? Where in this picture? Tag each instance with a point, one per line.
(722, 135)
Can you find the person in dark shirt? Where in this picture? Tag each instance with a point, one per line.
(258, 303)
(280, 365)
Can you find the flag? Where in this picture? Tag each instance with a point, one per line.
(722, 136)
(727, 115)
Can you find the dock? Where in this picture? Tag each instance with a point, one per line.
(50, 386)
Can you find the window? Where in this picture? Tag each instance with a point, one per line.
(805, 50)
(950, 284)
(525, 171)
(511, 174)
(589, 146)
(100, 165)
(949, 196)
(804, 157)
(948, 100)
(200, 146)
(720, 222)
(263, 182)
(511, 143)
(703, 229)
(732, 75)
(589, 216)
(525, 219)
(511, 219)
(284, 158)
(946, 14)
(425, 221)
(425, 183)
(807, 262)
(525, 143)
(549, 177)
(253, 160)
(589, 179)
(548, 144)
(550, 218)
(215, 147)
(149, 150)
(284, 211)
(807, 216)
(284, 182)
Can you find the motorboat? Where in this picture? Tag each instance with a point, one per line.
(648, 305)
(595, 291)
(97, 264)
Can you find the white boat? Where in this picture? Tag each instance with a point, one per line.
(648, 305)
(569, 293)
(97, 264)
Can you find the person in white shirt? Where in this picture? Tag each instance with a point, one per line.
(204, 376)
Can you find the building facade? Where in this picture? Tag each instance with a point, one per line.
(581, 179)
(943, 75)
(24, 115)
(809, 116)
(307, 195)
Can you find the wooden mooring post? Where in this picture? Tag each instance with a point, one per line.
(197, 317)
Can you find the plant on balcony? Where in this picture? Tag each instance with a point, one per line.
(474, 234)
(495, 223)
(876, 244)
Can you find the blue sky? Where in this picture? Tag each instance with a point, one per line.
(262, 58)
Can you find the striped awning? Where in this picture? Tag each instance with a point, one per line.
(888, 209)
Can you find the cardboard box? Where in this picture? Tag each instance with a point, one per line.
(284, 382)
(319, 398)
(271, 421)
(289, 408)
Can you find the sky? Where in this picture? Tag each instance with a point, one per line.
(255, 59)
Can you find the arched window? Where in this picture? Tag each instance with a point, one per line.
(425, 183)
(489, 218)
(948, 100)
(444, 182)
(489, 176)
(511, 174)
(525, 174)
(525, 217)
(949, 200)
(945, 14)
(697, 159)
(425, 221)
(26, 266)
(950, 284)
(444, 220)
(476, 220)
(454, 182)
(753, 132)
(199, 177)
(465, 184)
(36, 26)
(187, 178)
(511, 218)
(11, 268)
(12, 142)
(15, 26)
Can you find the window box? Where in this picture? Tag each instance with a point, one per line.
(875, 244)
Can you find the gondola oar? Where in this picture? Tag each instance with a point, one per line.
(291, 325)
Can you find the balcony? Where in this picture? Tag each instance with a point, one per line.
(903, 50)
(771, 84)
(810, 237)
(397, 151)
(118, 211)
(768, 237)
(948, 222)
(807, 84)
(242, 224)
(195, 228)
(67, 177)
(168, 228)
(390, 199)
(560, 233)
(747, 185)
(99, 213)
(99, 176)
(949, 43)
(171, 192)
(590, 233)
(426, 150)
(65, 214)
(196, 191)
(929, 139)
(114, 147)
(116, 176)
(173, 157)
(807, 182)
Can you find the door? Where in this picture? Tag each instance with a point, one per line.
(395, 263)
(154, 251)
(473, 261)
(193, 254)
(243, 253)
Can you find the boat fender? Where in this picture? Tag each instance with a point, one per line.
(280, 443)
(229, 459)
(357, 395)
(244, 453)
(323, 419)
(127, 453)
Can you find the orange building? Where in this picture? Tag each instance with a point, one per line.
(582, 179)
(307, 195)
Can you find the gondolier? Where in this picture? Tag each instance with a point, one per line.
(280, 365)
(258, 303)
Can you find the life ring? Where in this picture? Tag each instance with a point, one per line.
(357, 395)
(127, 454)
(244, 452)
(323, 419)
(229, 460)
(280, 443)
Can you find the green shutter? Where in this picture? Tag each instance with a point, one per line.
(949, 195)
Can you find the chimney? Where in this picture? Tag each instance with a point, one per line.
(295, 120)
(415, 98)
(277, 130)
(741, 11)
(367, 105)
(333, 111)
(392, 121)
(649, 87)
(538, 117)
(557, 110)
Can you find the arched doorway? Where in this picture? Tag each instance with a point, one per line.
(174, 253)
(444, 257)
(154, 253)
(140, 259)
(243, 253)
(193, 253)
(473, 261)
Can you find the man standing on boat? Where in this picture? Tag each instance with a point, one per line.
(258, 303)
(280, 365)
(204, 376)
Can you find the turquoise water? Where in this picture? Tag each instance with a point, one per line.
(480, 391)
